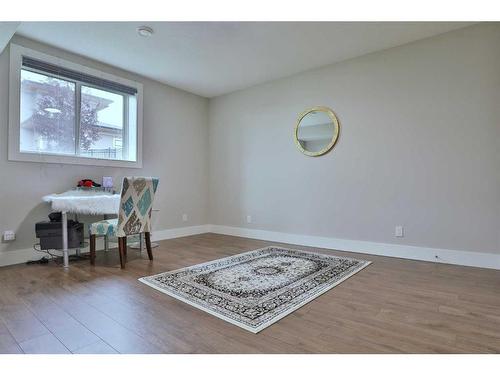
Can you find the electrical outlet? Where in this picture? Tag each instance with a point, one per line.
(249, 219)
(9, 235)
(184, 217)
(399, 231)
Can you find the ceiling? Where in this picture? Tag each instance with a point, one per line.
(215, 58)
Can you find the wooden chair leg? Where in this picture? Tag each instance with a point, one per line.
(125, 248)
(121, 246)
(92, 249)
(148, 245)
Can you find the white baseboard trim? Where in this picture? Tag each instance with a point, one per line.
(167, 234)
(11, 257)
(457, 257)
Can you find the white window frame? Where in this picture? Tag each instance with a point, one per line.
(16, 56)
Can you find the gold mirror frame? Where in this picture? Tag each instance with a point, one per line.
(335, 135)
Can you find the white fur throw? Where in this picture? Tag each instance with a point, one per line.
(85, 202)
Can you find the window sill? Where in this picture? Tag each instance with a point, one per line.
(66, 159)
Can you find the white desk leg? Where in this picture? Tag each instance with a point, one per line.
(65, 239)
(78, 252)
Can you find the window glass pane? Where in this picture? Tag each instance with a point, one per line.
(47, 114)
(101, 124)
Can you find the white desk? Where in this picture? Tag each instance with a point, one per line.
(86, 202)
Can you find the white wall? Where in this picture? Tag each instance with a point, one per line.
(175, 150)
(419, 146)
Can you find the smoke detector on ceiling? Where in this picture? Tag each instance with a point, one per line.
(145, 31)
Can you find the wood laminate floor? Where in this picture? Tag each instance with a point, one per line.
(392, 306)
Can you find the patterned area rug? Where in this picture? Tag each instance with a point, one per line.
(255, 289)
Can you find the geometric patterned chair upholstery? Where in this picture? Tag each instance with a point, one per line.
(134, 217)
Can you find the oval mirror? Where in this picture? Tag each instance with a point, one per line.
(316, 131)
